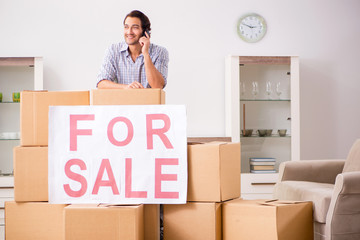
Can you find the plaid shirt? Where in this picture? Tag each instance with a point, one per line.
(119, 67)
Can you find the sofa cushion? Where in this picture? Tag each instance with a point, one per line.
(319, 193)
(352, 162)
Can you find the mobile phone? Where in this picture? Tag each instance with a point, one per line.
(147, 31)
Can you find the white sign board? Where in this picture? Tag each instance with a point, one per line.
(117, 154)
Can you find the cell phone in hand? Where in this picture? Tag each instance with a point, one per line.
(146, 31)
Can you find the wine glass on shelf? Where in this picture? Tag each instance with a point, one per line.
(268, 89)
(278, 89)
(242, 89)
(255, 89)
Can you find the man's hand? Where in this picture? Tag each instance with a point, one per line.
(145, 44)
(134, 85)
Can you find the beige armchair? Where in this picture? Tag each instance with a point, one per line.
(334, 188)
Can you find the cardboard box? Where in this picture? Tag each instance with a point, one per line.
(146, 96)
(94, 222)
(30, 174)
(274, 220)
(192, 221)
(214, 171)
(151, 222)
(34, 220)
(34, 113)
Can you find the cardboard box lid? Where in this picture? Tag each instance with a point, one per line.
(277, 202)
(146, 96)
(102, 207)
(265, 203)
(199, 143)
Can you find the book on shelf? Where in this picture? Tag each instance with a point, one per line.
(263, 171)
(262, 163)
(262, 167)
(253, 159)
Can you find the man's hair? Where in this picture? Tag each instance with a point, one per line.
(145, 22)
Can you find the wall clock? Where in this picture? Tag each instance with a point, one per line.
(251, 27)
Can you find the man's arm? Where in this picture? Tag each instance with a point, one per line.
(103, 84)
(153, 75)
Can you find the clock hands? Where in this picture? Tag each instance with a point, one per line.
(249, 26)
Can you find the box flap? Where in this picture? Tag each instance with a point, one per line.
(146, 96)
(35, 90)
(118, 205)
(203, 171)
(276, 202)
(209, 143)
(230, 170)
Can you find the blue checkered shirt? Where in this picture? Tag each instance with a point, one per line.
(119, 67)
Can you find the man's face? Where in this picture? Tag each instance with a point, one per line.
(132, 30)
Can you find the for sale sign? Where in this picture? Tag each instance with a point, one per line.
(117, 154)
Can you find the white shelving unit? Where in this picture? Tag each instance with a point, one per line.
(16, 74)
(263, 111)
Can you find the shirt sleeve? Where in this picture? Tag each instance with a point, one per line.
(161, 64)
(108, 67)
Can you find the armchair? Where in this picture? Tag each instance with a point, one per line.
(334, 188)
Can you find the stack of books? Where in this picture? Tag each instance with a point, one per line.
(262, 165)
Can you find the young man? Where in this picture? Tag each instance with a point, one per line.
(135, 63)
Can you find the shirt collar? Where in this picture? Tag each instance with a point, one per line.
(125, 48)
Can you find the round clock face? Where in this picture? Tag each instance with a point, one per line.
(251, 27)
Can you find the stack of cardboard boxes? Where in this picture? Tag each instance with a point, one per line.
(214, 210)
(30, 216)
(213, 177)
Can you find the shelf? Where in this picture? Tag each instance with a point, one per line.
(17, 74)
(6, 180)
(257, 184)
(6, 175)
(273, 60)
(17, 61)
(263, 111)
(265, 100)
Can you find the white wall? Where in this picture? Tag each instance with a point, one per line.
(72, 36)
